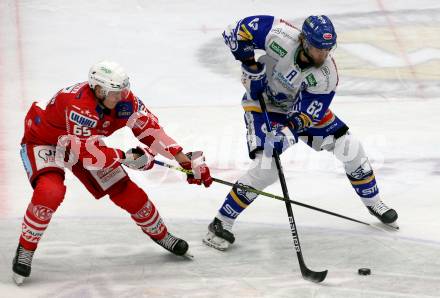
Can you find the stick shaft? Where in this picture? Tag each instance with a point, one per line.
(263, 193)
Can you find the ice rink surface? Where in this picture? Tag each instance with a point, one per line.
(388, 58)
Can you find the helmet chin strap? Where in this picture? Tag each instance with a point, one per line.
(102, 100)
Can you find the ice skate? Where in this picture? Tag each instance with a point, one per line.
(175, 245)
(385, 214)
(219, 237)
(21, 265)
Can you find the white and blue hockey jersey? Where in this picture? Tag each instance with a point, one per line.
(290, 88)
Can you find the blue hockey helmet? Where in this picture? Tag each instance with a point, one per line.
(319, 32)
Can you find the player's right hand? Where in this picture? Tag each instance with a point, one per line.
(200, 171)
(139, 158)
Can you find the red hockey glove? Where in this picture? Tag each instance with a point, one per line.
(138, 158)
(198, 167)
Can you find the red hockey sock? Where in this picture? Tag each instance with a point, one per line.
(48, 194)
(135, 201)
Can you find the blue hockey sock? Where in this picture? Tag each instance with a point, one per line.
(365, 187)
(236, 201)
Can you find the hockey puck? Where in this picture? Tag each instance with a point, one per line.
(364, 271)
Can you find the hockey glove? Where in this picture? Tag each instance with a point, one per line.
(279, 140)
(200, 171)
(240, 46)
(139, 158)
(299, 121)
(255, 81)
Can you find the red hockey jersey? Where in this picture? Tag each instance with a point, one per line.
(73, 114)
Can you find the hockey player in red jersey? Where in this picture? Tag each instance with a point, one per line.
(66, 134)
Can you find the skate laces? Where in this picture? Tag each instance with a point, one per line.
(168, 242)
(225, 225)
(25, 256)
(380, 208)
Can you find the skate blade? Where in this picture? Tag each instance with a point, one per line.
(18, 279)
(392, 225)
(216, 242)
(188, 255)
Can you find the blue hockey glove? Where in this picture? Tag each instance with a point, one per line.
(242, 48)
(255, 81)
(299, 121)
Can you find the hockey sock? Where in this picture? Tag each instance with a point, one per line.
(135, 201)
(236, 201)
(48, 194)
(150, 221)
(366, 187)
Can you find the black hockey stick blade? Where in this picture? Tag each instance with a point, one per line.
(313, 276)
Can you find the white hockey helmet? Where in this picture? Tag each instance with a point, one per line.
(110, 76)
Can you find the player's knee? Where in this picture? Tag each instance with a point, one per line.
(262, 172)
(129, 197)
(49, 190)
(348, 148)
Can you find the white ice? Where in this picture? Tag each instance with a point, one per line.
(181, 69)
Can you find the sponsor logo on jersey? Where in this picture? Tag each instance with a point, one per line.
(278, 49)
(47, 155)
(325, 71)
(124, 110)
(287, 23)
(280, 31)
(141, 106)
(82, 120)
(106, 124)
(311, 81)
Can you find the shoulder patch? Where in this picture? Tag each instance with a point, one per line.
(124, 110)
(278, 49)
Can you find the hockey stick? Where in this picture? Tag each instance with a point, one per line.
(263, 193)
(307, 274)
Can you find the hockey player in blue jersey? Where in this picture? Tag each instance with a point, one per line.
(297, 79)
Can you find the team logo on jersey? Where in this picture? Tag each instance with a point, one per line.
(82, 120)
(106, 124)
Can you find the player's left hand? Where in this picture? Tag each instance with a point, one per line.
(139, 158)
(280, 139)
(200, 171)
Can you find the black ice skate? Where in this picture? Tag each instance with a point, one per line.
(173, 244)
(218, 237)
(385, 214)
(21, 265)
